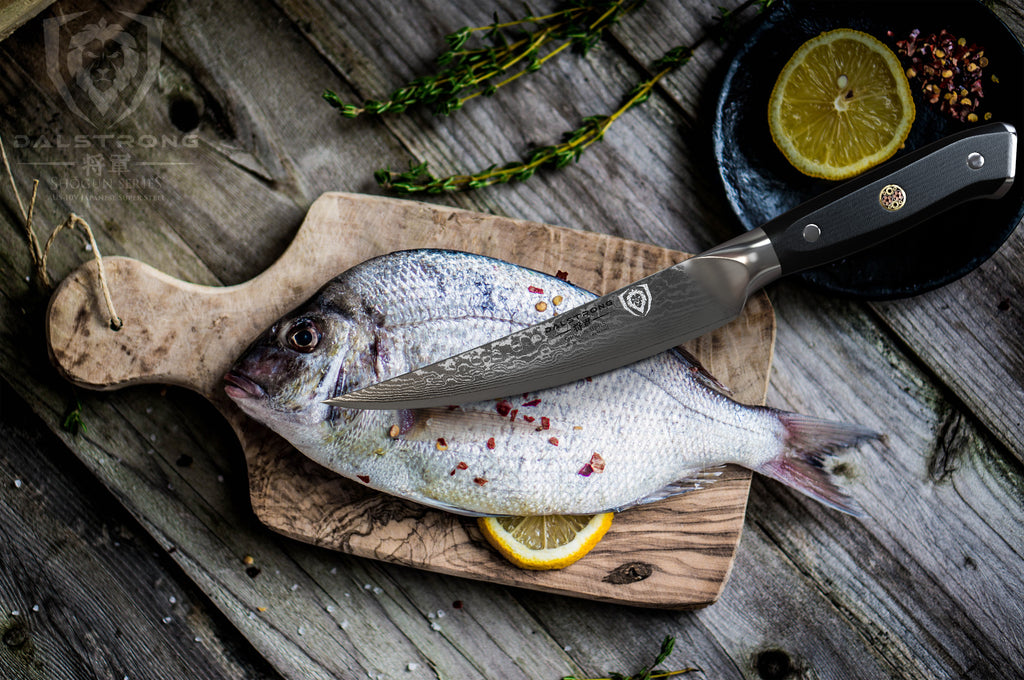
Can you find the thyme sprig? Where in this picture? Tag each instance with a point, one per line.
(73, 421)
(648, 672)
(592, 129)
(511, 49)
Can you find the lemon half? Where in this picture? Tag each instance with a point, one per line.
(547, 541)
(841, 105)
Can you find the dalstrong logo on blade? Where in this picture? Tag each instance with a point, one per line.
(636, 300)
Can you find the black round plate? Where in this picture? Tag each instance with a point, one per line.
(761, 184)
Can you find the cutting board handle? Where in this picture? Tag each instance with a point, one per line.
(180, 333)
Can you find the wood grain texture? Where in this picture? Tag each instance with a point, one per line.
(77, 569)
(928, 586)
(673, 554)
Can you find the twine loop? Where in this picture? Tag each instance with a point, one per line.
(72, 221)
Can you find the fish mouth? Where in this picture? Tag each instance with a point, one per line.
(240, 387)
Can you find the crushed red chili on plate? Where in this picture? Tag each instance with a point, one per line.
(545, 423)
(532, 402)
(490, 443)
(949, 71)
(529, 419)
(503, 407)
(535, 289)
(479, 481)
(564, 276)
(553, 441)
(442, 445)
(365, 479)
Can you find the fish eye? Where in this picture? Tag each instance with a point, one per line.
(303, 336)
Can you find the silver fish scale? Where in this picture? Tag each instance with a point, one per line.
(649, 424)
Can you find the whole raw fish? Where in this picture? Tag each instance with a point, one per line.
(633, 435)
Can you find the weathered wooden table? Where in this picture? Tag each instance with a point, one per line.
(122, 547)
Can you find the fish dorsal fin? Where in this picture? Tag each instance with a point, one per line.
(701, 374)
(700, 479)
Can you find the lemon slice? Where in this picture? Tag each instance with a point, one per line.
(547, 541)
(841, 105)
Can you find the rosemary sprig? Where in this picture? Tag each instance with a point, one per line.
(592, 129)
(648, 672)
(512, 49)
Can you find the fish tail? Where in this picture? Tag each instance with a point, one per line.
(809, 443)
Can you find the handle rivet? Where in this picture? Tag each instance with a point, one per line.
(975, 160)
(811, 233)
(892, 197)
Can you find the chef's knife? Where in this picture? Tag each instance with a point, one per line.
(706, 291)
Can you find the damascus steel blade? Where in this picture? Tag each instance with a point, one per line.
(629, 324)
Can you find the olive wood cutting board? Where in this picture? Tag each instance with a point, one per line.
(675, 553)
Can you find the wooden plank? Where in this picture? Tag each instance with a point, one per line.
(684, 567)
(16, 12)
(78, 570)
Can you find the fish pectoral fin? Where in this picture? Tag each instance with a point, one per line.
(701, 374)
(462, 424)
(691, 482)
(448, 507)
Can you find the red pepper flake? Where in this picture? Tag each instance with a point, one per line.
(553, 441)
(394, 431)
(948, 70)
(545, 423)
(597, 462)
(503, 407)
(535, 289)
(564, 276)
(479, 481)
(512, 415)
(529, 419)
(442, 445)
(586, 470)
(532, 402)
(365, 479)
(457, 604)
(459, 466)
(490, 443)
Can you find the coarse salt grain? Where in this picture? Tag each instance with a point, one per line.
(17, 483)
(412, 667)
(435, 627)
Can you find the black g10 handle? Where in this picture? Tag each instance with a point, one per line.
(889, 199)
